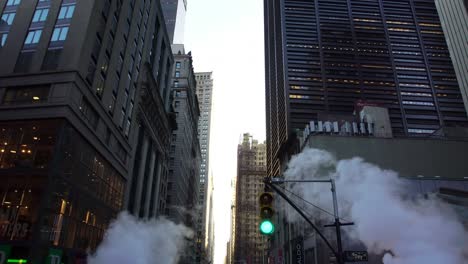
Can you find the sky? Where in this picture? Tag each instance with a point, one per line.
(226, 37)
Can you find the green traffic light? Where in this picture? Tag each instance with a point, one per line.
(267, 227)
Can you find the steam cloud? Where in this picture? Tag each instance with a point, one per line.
(129, 240)
(387, 217)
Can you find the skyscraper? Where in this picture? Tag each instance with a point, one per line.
(322, 56)
(454, 20)
(185, 153)
(205, 96)
(71, 120)
(174, 14)
(249, 245)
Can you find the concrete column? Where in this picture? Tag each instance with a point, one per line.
(141, 174)
(157, 178)
(150, 184)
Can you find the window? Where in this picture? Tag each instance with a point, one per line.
(3, 38)
(176, 84)
(60, 34)
(89, 113)
(177, 74)
(100, 86)
(40, 15)
(127, 127)
(177, 65)
(51, 59)
(26, 95)
(8, 18)
(66, 12)
(105, 65)
(122, 118)
(33, 36)
(13, 2)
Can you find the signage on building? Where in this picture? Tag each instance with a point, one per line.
(298, 250)
(355, 256)
(4, 253)
(13, 231)
(55, 256)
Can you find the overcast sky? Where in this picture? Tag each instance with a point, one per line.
(226, 37)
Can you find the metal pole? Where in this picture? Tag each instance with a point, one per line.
(337, 222)
(303, 216)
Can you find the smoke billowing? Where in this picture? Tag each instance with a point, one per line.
(129, 240)
(415, 229)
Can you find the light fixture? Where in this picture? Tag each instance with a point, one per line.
(35, 98)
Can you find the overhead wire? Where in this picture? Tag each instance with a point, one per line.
(311, 204)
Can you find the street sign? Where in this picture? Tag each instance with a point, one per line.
(356, 256)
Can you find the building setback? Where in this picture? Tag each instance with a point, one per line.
(454, 19)
(322, 56)
(249, 245)
(78, 144)
(205, 97)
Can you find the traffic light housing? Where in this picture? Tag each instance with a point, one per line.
(266, 225)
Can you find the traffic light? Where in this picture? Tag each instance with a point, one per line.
(266, 213)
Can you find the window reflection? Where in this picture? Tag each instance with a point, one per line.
(19, 206)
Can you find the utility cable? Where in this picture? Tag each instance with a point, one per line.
(315, 206)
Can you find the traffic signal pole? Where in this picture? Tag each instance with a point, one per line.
(285, 197)
(339, 253)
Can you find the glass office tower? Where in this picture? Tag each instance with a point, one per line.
(323, 56)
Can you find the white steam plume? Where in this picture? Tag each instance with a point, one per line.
(129, 240)
(415, 230)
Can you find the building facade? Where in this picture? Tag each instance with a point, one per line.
(205, 97)
(184, 164)
(325, 56)
(71, 77)
(454, 19)
(249, 244)
(174, 14)
(185, 148)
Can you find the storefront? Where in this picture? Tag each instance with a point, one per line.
(57, 194)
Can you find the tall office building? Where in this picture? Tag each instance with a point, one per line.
(185, 153)
(454, 19)
(323, 56)
(183, 178)
(249, 245)
(205, 96)
(174, 14)
(71, 77)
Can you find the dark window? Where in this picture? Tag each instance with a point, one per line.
(24, 61)
(100, 85)
(51, 60)
(26, 95)
(89, 113)
(105, 65)
(91, 72)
